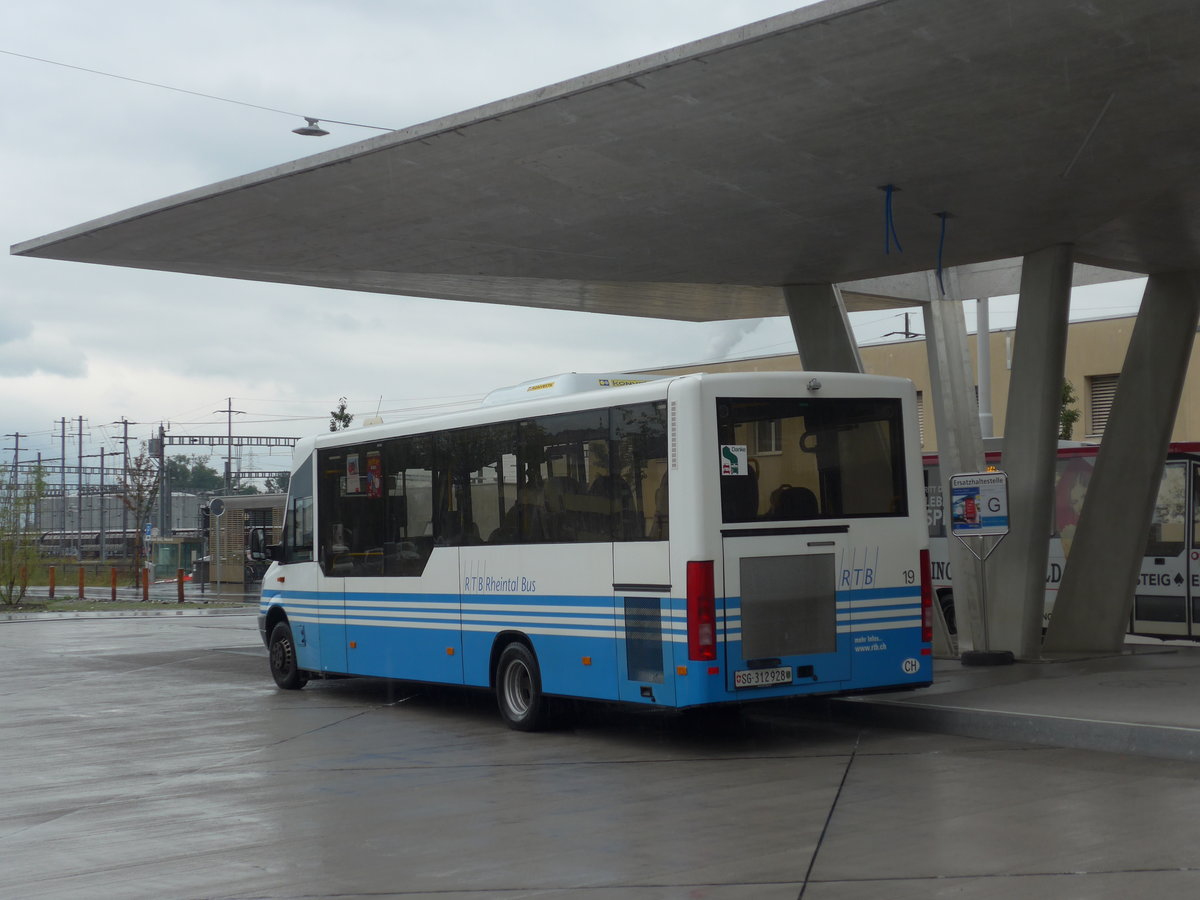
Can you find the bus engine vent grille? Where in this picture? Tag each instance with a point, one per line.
(789, 605)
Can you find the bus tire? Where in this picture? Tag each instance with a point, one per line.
(519, 689)
(281, 651)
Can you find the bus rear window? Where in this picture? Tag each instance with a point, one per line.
(786, 459)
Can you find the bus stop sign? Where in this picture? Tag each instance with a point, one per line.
(979, 504)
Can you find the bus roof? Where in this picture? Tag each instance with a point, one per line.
(563, 385)
(557, 395)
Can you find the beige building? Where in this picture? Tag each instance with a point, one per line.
(228, 539)
(1095, 354)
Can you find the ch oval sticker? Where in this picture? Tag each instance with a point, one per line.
(911, 666)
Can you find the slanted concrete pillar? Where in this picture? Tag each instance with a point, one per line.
(1017, 569)
(1091, 612)
(983, 368)
(959, 448)
(822, 328)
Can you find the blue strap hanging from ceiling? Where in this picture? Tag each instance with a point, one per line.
(941, 248)
(889, 222)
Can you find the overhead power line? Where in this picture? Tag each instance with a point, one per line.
(168, 87)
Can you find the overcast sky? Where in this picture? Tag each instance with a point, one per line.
(106, 343)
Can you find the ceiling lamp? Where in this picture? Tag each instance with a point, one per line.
(312, 129)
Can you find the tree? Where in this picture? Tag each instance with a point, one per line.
(139, 489)
(339, 419)
(278, 484)
(18, 540)
(193, 475)
(1068, 415)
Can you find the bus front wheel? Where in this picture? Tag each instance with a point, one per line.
(281, 650)
(519, 689)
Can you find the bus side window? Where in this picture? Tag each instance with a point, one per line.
(1167, 530)
(1195, 507)
(409, 477)
(639, 495)
(298, 517)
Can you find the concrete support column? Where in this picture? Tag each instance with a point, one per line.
(983, 367)
(1017, 569)
(959, 447)
(824, 338)
(1091, 613)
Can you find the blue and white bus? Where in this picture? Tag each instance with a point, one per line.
(673, 542)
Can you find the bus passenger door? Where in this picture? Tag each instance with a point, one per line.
(782, 610)
(332, 615)
(1193, 570)
(1161, 597)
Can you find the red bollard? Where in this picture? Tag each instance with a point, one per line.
(113, 581)
(179, 583)
(146, 585)
(81, 582)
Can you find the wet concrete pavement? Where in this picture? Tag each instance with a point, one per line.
(153, 757)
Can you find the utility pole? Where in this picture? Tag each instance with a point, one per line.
(906, 334)
(14, 478)
(79, 495)
(164, 488)
(16, 451)
(62, 463)
(229, 412)
(125, 423)
(37, 506)
(103, 554)
(103, 510)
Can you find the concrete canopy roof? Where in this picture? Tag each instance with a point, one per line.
(693, 183)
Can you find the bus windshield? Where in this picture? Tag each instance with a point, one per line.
(799, 458)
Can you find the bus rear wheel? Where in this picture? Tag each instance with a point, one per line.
(519, 689)
(281, 650)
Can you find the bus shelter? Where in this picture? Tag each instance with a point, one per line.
(848, 155)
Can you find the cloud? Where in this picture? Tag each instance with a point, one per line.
(25, 350)
(13, 327)
(725, 339)
(110, 342)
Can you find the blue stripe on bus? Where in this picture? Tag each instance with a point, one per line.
(565, 629)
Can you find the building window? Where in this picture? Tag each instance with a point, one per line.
(259, 518)
(1101, 390)
(768, 437)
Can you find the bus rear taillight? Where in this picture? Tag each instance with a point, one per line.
(926, 599)
(701, 611)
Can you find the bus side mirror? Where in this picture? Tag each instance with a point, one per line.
(275, 553)
(258, 544)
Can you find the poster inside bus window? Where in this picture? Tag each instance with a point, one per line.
(979, 503)
(734, 459)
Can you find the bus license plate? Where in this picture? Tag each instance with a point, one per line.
(745, 678)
